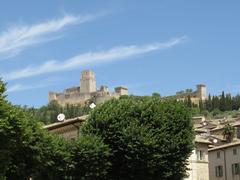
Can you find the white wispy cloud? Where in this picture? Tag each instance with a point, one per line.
(17, 38)
(20, 87)
(47, 82)
(113, 54)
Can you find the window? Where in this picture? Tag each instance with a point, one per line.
(218, 154)
(235, 168)
(200, 155)
(219, 171)
(238, 132)
(234, 151)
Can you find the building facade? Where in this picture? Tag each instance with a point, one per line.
(68, 129)
(224, 162)
(198, 161)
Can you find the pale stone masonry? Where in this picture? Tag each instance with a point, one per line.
(198, 161)
(225, 162)
(88, 82)
(199, 95)
(86, 91)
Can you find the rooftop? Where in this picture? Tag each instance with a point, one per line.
(65, 122)
(236, 143)
(199, 139)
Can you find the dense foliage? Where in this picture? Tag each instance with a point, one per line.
(48, 114)
(148, 138)
(222, 102)
(229, 132)
(89, 159)
(217, 106)
(20, 139)
(131, 138)
(27, 150)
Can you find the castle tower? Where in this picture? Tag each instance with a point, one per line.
(202, 91)
(87, 82)
(52, 96)
(121, 90)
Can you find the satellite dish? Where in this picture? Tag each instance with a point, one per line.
(61, 117)
(92, 106)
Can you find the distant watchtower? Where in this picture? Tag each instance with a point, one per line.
(201, 91)
(88, 82)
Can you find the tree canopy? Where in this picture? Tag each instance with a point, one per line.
(27, 150)
(48, 113)
(130, 138)
(148, 138)
(25, 147)
(217, 105)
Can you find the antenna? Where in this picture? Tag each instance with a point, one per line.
(92, 106)
(61, 117)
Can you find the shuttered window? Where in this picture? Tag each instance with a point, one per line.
(219, 171)
(235, 168)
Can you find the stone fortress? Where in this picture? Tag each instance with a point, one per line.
(86, 91)
(196, 96)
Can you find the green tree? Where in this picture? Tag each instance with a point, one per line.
(54, 158)
(216, 112)
(201, 105)
(48, 113)
(228, 102)
(188, 91)
(208, 103)
(27, 150)
(15, 131)
(215, 103)
(89, 159)
(222, 102)
(188, 101)
(236, 102)
(25, 147)
(148, 138)
(205, 113)
(229, 132)
(4, 128)
(156, 95)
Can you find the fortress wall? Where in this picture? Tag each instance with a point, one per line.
(102, 99)
(74, 100)
(72, 90)
(195, 100)
(86, 91)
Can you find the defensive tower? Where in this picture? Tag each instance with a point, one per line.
(88, 82)
(202, 91)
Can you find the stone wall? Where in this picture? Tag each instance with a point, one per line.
(86, 91)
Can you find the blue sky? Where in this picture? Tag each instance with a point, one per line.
(149, 46)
